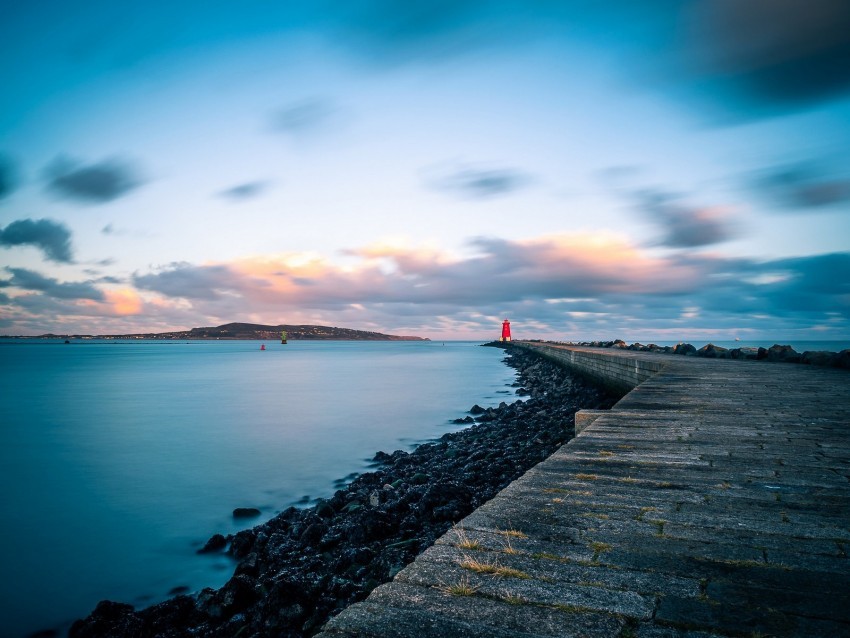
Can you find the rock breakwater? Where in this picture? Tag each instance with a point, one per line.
(305, 565)
(776, 353)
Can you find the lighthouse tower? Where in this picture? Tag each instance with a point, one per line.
(506, 331)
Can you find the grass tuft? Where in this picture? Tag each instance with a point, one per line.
(464, 542)
(512, 532)
(599, 548)
(494, 569)
(461, 588)
(586, 477)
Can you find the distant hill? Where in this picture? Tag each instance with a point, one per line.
(261, 332)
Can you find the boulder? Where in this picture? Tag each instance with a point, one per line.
(783, 353)
(711, 351)
(818, 357)
(684, 348)
(216, 543)
(246, 512)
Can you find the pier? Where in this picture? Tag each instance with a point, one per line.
(712, 500)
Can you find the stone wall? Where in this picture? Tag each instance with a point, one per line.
(618, 370)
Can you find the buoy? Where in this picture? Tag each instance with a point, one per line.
(263, 347)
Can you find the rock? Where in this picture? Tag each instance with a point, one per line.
(684, 348)
(744, 353)
(842, 360)
(711, 351)
(476, 409)
(783, 353)
(246, 512)
(324, 509)
(216, 543)
(818, 357)
(382, 457)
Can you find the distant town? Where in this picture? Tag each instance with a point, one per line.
(246, 331)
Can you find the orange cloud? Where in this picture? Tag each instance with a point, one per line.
(124, 301)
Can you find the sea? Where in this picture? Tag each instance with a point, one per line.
(118, 460)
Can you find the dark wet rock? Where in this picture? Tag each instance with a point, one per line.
(246, 512)
(464, 420)
(711, 351)
(743, 353)
(305, 565)
(817, 357)
(684, 348)
(786, 354)
(215, 544)
(476, 409)
(841, 360)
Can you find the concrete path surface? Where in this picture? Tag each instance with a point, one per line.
(712, 500)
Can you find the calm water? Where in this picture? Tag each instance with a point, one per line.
(118, 460)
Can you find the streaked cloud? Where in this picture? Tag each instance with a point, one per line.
(245, 191)
(305, 117)
(8, 176)
(560, 285)
(97, 183)
(476, 182)
(191, 282)
(51, 237)
(685, 226)
(774, 54)
(26, 279)
(805, 186)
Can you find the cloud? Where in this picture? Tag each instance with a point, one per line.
(191, 282)
(8, 176)
(805, 186)
(95, 183)
(477, 182)
(53, 238)
(560, 286)
(26, 279)
(244, 192)
(775, 54)
(305, 117)
(685, 226)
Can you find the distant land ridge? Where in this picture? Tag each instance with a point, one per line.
(257, 332)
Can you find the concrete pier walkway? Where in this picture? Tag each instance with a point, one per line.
(712, 500)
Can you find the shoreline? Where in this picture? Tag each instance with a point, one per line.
(304, 566)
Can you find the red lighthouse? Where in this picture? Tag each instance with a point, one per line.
(506, 331)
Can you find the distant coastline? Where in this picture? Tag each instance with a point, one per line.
(243, 331)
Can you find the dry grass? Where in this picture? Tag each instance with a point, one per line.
(605, 453)
(599, 548)
(643, 512)
(461, 588)
(512, 532)
(587, 477)
(494, 569)
(509, 549)
(464, 542)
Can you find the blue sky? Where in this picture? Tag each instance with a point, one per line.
(655, 170)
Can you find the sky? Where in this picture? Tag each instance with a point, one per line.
(655, 170)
